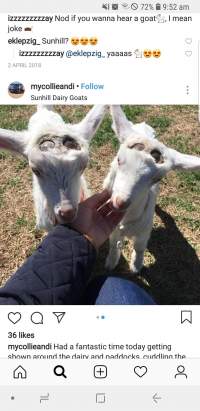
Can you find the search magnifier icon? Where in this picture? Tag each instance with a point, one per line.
(59, 371)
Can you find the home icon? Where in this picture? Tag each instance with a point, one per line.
(20, 372)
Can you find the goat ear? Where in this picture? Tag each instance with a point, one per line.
(89, 125)
(184, 161)
(13, 141)
(121, 125)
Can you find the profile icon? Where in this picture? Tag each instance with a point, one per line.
(181, 372)
(16, 89)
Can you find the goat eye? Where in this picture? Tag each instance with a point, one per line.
(47, 145)
(71, 144)
(137, 146)
(156, 154)
(36, 172)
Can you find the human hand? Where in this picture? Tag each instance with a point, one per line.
(96, 218)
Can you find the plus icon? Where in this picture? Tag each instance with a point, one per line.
(100, 371)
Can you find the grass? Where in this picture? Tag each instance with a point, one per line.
(171, 271)
(161, 123)
(182, 203)
(181, 142)
(190, 180)
(14, 182)
(4, 155)
(191, 223)
(8, 113)
(21, 222)
(133, 112)
(105, 134)
(1, 196)
(21, 164)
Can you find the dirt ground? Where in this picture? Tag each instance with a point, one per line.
(171, 270)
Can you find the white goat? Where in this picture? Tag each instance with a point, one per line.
(57, 154)
(140, 164)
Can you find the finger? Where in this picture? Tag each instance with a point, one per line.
(97, 200)
(82, 196)
(105, 209)
(113, 219)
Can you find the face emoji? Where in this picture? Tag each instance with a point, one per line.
(93, 41)
(156, 53)
(84, 41)
(147, 53)
(75, 41)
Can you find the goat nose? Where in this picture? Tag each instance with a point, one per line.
(67, 212)
(119, 203)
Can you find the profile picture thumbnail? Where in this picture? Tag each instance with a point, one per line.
(16, 89)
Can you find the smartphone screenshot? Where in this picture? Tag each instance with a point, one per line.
(100, 205)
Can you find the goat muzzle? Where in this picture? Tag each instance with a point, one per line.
(66, 213)
(119, 204)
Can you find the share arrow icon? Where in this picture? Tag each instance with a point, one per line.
(59, 316)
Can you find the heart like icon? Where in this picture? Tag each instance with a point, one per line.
(14, 317)
(188, 40)
(188, 53)
(140, 371)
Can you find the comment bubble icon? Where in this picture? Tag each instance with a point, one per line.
(37, 318)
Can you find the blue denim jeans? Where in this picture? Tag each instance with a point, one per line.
(116, 291)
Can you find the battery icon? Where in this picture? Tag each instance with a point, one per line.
(158, 6)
